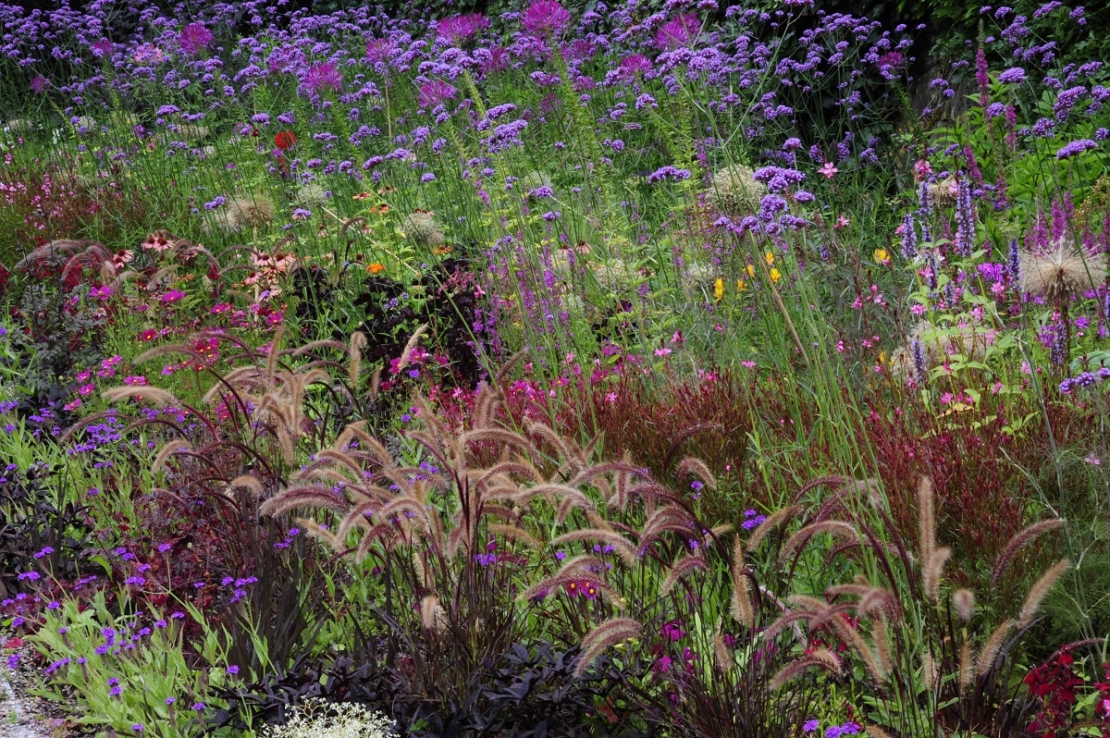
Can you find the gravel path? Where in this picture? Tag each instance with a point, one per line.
(16, 720)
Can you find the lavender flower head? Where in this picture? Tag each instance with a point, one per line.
(545, 18)
(1012, 76)
(909, 237)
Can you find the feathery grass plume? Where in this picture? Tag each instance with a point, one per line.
(620, 544)
(1064, 271)
(964, 600)
(1039, 591)
(515, 533)
(685, 566)
(432, 615)
(607, 634)
(855, 641)
(836, 528)
(159, 397)
(989, 653)
(1020, 540)
(926, 523)
(176, 446)
(735, 191)
(881, 637)
(354, 353)
(741, 606)
(410, 346)
(248, 482)
(319, 532)
(720, 651)
(579, 569)
(773, 520)
(967, 666)
(929, 671)
(695, 467)
(422, 227)
(934, 568)
(822, 658)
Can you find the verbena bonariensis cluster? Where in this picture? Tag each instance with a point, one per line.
(640, 370)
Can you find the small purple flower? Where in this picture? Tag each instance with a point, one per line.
(811, 725)
(1012, 76)
(1076, 147)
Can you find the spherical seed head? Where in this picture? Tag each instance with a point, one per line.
(735, 191)
(1062, 272)
(249, 212)
(421, 226)
(311, 195)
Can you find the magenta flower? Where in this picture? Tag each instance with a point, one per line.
(462, 28)
(436, 93)
(322, 76)
(635, 64)
(545, 18)
(194, 38)
(378, 50)
(680, 31)
(672, 631)
(39, 84)
(101, 48)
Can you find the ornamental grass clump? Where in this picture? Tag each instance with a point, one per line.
(918, 636)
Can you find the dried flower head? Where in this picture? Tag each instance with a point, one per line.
(423, 228)
(943, 194)
(1062, 272)
(735, 191)
(311, 195)
(248, 212)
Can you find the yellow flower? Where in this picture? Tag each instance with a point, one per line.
(775, 274)
(741, 285)
(718, 290)
(882, 256)
(882, 357)
(769, 258)
(751, 270)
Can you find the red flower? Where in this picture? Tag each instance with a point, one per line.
(285, 140)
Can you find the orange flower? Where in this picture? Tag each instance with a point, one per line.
(362, 196)
(441, 250)
(378, 209)
(376, 267)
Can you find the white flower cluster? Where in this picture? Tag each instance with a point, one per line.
(318, 718)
